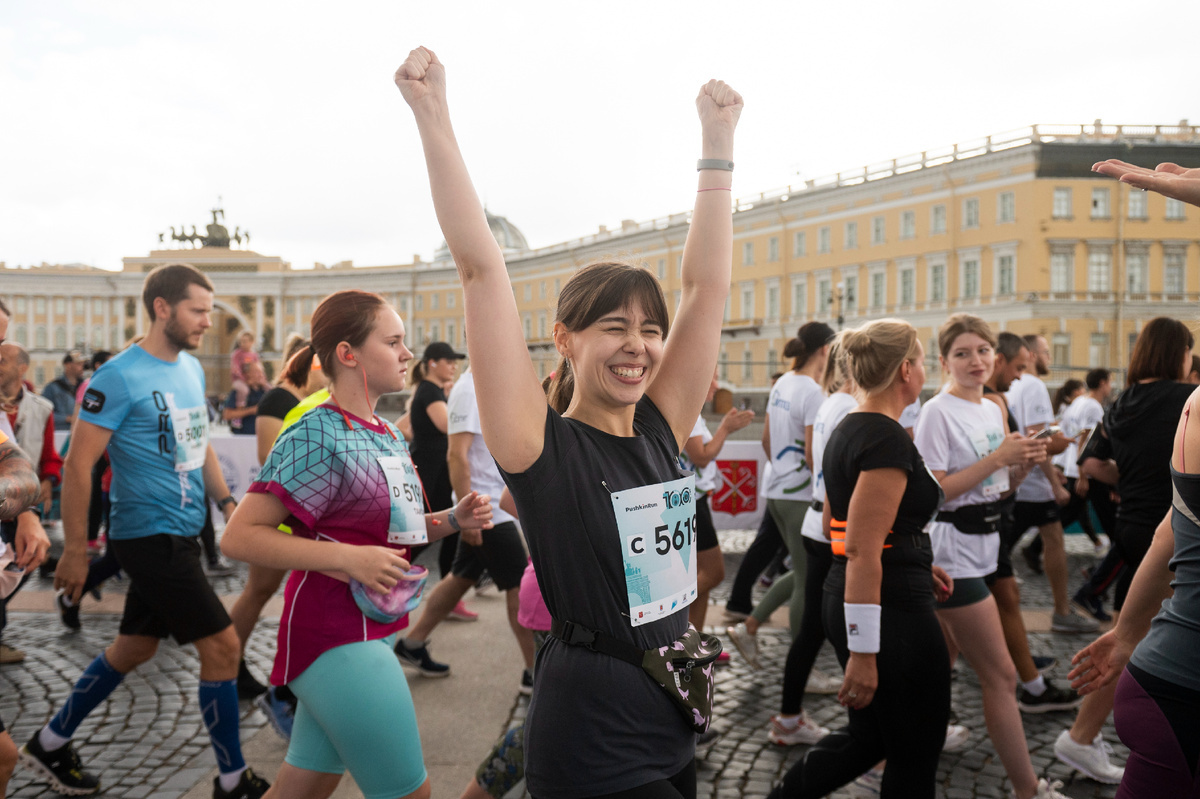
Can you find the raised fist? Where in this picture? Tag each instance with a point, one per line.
(718, 104)
(421, 77)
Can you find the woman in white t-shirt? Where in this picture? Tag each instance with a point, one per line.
(964, 443)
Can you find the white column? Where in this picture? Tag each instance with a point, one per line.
(258, 320)
(279, 321)
(87, 320)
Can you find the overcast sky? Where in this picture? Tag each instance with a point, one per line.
(121, 118)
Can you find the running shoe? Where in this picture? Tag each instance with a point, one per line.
(1046, 790)
(801, 730)
(723, 659)
(821, 683)
(1044, 664)
(250, 786)
(1090, 760)
(746, 644)
(766, 581)
(526, 688)
(67, 612)
(461, 613)
(60, 767)
(956, 737)
(868, 785)
(279, 712)
(1090, 605)
(1073, 623)
(1032, 559)
(485, 584)
(9, 654)
(220, 568)
(418, 657)
(248, 685)
(1053, 698)
(734, 615)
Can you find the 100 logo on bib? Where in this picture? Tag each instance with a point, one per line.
(657, 525)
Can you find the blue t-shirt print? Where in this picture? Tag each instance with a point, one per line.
(157, 413)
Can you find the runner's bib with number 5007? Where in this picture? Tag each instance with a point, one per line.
(657, 524)
(407, 522)
(191, 435)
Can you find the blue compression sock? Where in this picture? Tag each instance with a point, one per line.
(219, 705)
(98, 680)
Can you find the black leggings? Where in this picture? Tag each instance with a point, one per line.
(681, 786)
(1132, 543)
(758, 557)
(905, 722)
(807, 643)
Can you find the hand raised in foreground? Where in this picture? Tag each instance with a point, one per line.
(1099, 663)
(1170, 180)
(719, 106)
(421, 78)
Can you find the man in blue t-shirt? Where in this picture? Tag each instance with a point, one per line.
(147, 407)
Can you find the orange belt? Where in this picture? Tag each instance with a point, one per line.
(837, 536)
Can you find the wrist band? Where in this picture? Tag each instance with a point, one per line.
(716, 188)
(454, 525)
(862, 627)
(714, 163)
(221, 503)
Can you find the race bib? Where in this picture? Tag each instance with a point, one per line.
(985, 441)
(406, 524)
(657, 525)
(191, 436)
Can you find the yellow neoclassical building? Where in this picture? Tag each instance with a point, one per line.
(1013, 227)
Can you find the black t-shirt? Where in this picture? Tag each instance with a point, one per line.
(597, 725)
(277, 402)
(1141, 428)
(429, 444)
(866, 441)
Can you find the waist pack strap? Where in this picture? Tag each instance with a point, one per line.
(577, 635)
(837, 536)
(817, 506)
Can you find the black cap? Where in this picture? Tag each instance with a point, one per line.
(440, 351)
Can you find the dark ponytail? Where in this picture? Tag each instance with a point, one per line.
(296, 370)
(562, 387)
(809, 340)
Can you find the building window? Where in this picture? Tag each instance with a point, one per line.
(435, 300)
(1137, 268)
(677, 296)
(908, 287)
(78, 306)
(724, 365)
(1006, 275)
(773, 248)
(772, 302)
(1098, 350)
(728, 306)
(450, 331)
(662, 268)
(851, 238)
(824, 294)
(878, 289)
(748, 301)
(1062, 203)
(748, 253)
(420, 303)
(799, 298)
(1099, 271)
(22, 336)
(19, 305)
(420, 336)
(60, 337)
(937, 219)
(800, 244)
(1175, 209)
(79, 339)
(528, 323)
(528, 294)
(747, 365)
(557, 285)
(60, 304)
(98, 307)
(1100, 204)
(1138, 207)
(450, 301)
(679, 266)
(823, 245)
(39, 338)
(434, 332)
(1060, 348)
(937, 283)
(1173, 262)
(289, 307)
(908, 225)
(772, 361)
(850, 297)
(1062, 267)
(542, 325)
(971, 213)
(970, 286)
(878, 229)
(39, 305)
(1006, 209)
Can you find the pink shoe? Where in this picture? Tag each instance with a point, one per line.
(723, 659)
(461, 613)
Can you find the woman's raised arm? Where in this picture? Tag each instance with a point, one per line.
(690, 355)
(512, 406)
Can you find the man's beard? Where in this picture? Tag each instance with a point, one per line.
(1042, 371)
(175, 335)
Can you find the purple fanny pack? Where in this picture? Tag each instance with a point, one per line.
(396, 603)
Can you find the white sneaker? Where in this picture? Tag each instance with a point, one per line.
(806, 731)
(1089, 760)
(1046, 790)
(821, 683)
(956, 737)
(746, 644)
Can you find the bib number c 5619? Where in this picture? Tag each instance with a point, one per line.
(657, 525)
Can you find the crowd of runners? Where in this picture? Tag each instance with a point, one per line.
(899, 518)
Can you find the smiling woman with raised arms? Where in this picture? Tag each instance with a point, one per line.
(595, 477)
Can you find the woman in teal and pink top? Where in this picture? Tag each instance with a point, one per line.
(343, 480)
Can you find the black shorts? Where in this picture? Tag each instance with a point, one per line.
(169, 593)
(1008, 539)
(502, 554)
(706, 531)
(1034, 514)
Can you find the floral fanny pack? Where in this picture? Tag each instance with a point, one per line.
(683, 668)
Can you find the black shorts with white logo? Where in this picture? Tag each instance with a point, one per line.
(502, 554)
(169, 594)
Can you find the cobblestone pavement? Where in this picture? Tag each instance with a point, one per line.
(149, 739)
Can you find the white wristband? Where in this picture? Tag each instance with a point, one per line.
(862, 628)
